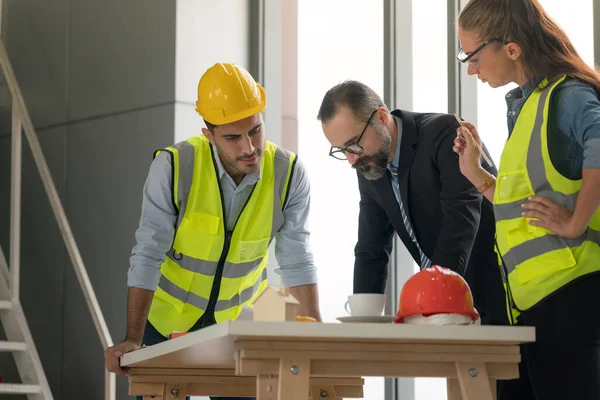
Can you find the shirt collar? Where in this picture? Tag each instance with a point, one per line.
(522, 92)
(222, 172)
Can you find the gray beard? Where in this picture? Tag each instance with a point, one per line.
(379, 159)
(371, 172)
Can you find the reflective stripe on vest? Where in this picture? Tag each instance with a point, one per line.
(201, 243)
(202, 303)
(186, 159)
(537, 261)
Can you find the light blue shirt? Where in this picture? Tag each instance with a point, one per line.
(156, 230)
(574, 141)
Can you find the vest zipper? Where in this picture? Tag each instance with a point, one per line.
(208, 318)
(209, 315)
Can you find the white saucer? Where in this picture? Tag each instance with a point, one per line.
(381, 319)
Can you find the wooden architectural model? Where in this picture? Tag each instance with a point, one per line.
(275, 304)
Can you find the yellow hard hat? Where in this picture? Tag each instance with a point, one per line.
(228, 93)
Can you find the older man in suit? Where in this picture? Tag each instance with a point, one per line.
(410, 183)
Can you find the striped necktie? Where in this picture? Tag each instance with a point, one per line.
(425, 262)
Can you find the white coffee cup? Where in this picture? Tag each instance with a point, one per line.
(365, 304)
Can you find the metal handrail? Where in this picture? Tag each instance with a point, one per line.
(21, 119)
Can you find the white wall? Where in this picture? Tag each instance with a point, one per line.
(207, 32)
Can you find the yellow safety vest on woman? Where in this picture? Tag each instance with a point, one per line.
(211, 273)
(536, 261)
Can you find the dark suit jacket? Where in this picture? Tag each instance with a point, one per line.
(453, 223)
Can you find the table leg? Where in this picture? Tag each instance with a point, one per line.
(453, 389)
(294, 378)
(474, 381)
(494, 386)
(174, 391)
(266, 387)
(323, 392)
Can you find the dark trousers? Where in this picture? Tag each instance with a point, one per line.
(152, 336)
(564, 362)
(488, 291)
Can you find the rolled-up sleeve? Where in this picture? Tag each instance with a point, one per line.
(579, 115)
(156, 230)
(292, 248)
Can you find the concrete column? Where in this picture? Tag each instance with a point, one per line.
(106, 83)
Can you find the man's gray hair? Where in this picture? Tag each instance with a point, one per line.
(358, 97)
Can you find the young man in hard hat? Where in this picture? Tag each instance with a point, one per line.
(410, 183)
(212, 205)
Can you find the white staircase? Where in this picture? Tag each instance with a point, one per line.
(20, 344)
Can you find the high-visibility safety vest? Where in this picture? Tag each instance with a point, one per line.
(537, 262)
(211, 273)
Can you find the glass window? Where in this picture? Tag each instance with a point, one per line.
(337, 40)
(430, 56)
(430, 94)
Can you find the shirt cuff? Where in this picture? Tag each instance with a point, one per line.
(591, 154)
(143, 277)
(298, 275)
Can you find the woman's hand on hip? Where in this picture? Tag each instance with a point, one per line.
(552, 216)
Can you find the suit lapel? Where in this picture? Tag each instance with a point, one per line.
(407, 151)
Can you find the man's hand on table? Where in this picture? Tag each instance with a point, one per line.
(113, 353)
(308, 297)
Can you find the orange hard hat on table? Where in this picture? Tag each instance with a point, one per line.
(436, 290)
(228, 93)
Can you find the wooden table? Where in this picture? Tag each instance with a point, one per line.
(297, 360)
